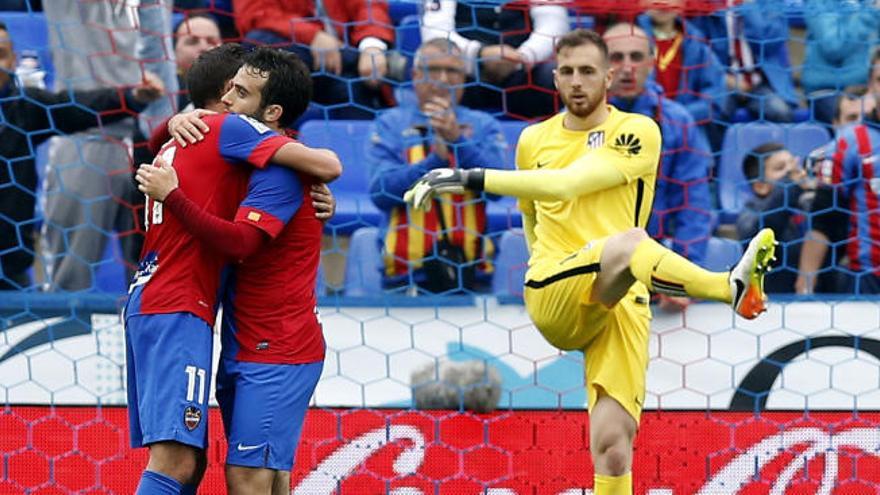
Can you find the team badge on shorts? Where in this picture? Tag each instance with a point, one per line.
(192, 416)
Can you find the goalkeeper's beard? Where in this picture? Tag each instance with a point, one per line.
(585, 109)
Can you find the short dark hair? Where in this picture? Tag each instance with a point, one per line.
(580, 37)
(853, 92)
(3, 26)
(754, 160)
(289, 82)
(206, 79)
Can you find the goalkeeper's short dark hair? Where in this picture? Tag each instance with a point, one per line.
(208, 77)
(753, 163)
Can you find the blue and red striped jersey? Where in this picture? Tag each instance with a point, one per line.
(270, 305)
(851, 166)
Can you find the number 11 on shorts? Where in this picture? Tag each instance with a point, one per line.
(192, 372)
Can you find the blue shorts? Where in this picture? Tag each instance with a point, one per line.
(168, 362)
(263, 408)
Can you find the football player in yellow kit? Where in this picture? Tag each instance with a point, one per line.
(585, 183)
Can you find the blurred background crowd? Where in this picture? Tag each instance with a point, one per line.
(767, 111)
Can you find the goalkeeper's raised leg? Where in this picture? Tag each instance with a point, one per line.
(646, 260)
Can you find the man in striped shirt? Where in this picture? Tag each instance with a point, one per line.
(846, 212)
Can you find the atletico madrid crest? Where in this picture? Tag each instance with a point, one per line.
(596, 139)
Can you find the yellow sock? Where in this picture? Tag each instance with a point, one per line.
(613, 485)
(665, 272)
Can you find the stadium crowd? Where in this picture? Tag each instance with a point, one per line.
(767, 112)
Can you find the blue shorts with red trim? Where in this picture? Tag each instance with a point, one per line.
(263, 408)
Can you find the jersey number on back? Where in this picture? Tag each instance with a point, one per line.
(153, 212)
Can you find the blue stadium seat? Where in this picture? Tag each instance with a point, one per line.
(110, 276)
(733, 189)
(320, 281)
(512, 130)
(721, 254)
(409, 35)
(29, 33)
(354, 208)
(362, 264)
(510, 264)
(399, 10)
(503, 214)
(801, 115)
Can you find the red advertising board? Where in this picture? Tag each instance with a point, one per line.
(360, 451)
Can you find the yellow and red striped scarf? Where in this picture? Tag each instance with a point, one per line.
(410, 237)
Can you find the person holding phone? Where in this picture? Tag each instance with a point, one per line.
(782, 193)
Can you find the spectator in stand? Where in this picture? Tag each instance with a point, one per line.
(32, 116)
(407, 141)
(194, 36)
(355, 47)
(686, 69)
(781, 196)
(845, 213)
(221, 11)
(505, 47)
(682, 201)
(749, 40)
(840, 36)
(852, 105)
(89, 191)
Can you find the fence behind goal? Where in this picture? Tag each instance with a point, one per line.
(788, 403)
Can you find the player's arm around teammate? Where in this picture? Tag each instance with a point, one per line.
(320, 163)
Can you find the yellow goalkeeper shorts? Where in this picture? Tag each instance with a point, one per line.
(614, 340)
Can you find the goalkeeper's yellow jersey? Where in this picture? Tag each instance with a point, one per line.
(627, 141)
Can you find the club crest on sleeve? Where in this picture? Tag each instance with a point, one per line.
(192, 416)
(596, 139)
(628, 144)
(254, 216)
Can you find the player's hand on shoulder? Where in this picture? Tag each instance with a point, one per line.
(157, 180)
(442, 181)
(188, 127)
(323, 201)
